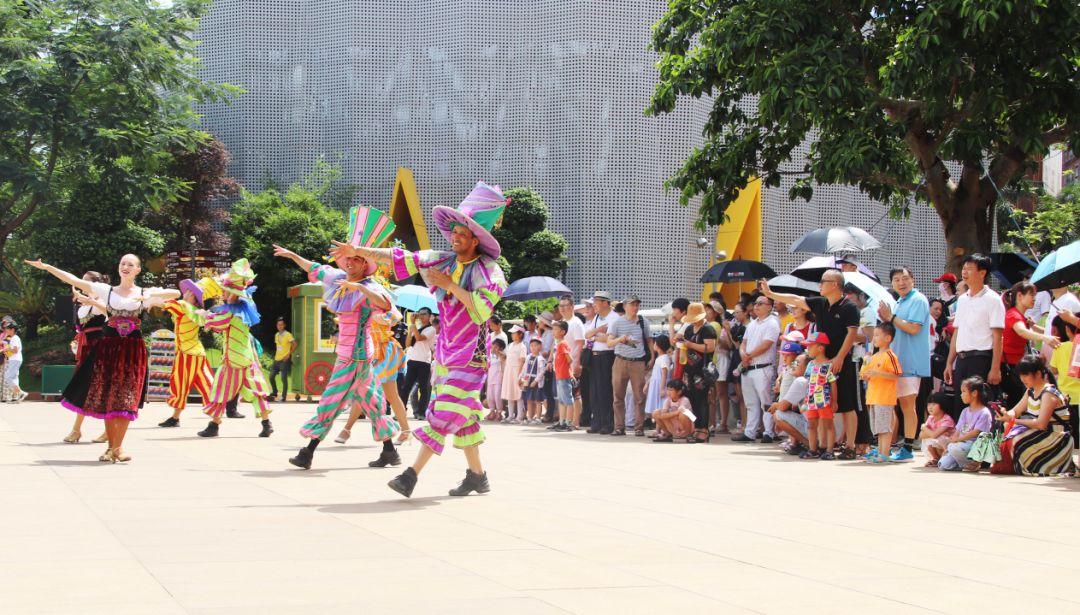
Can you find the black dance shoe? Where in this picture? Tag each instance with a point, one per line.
(473, 482)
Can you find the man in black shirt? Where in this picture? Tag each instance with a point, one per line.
(838, 318)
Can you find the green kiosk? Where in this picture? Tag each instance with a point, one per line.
(314, 329)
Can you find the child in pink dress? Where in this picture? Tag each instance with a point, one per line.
(937, 430)
(496, 357)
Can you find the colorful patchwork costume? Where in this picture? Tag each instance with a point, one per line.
(190, 368)
(354, 379)
(460, 360)
(240, 371)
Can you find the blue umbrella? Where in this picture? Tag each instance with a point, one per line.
(1060, 268)
(535, 287)
(413, 297)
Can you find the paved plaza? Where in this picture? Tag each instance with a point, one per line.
(574, 524)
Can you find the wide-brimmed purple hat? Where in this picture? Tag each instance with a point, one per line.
(191, 285)
(479, 212)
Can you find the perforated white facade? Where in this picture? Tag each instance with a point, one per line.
(545, 93)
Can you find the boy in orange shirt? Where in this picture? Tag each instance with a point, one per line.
(881, 372)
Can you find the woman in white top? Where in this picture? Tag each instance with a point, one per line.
(118, 379)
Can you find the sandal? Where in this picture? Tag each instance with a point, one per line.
(664, 439)
(102, 439)
(932, 463)
(973, 466)
(119, 455)
(108, 456)
(343, 437)
(697, 438)
(847, 453)
(73, 437)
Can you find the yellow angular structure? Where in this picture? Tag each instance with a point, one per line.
(739, 237)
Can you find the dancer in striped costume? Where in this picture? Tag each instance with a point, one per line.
(356, 298)
(467, 284)
(240, 372)
(190, 368)
(387, 360)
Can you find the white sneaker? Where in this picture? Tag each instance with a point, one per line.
(22, 396)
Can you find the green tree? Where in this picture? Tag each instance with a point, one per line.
(1054, 223)
(529, 248)
(88, 83)
(297, 219)
(91, 225)
(885, 92)
(205, 173)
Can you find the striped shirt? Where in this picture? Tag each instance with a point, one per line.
(464, 331)
(186, 325)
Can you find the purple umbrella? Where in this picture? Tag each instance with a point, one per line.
(813, 268)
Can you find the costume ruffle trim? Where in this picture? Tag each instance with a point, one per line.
(113, 414)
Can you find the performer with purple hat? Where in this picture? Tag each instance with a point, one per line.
(190, 368)
(467, 283)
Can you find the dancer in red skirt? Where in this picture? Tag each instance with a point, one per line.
(89, 323)
(117, 387)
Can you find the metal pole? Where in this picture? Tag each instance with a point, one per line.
(194, 240)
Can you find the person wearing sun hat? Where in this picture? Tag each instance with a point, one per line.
(699, 342)
(239, 372)
(190, 368)
(358, 299)
(467, 283)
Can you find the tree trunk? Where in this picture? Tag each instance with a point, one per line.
(32, 323)
(968, 229)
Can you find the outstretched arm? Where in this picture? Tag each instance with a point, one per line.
(381, 256)
(376, 299)
(62, 275)
(300, 261)
(83, 299)
(794, 300)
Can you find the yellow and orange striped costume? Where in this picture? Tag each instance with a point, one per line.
(190, 368)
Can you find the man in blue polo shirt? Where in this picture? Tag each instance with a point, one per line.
(912, 346)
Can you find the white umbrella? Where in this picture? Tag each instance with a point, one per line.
(874, 291)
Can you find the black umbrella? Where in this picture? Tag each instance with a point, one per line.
(833, 240)
(737, 270)
(1011, 267)
(814, 267)
(794, 286)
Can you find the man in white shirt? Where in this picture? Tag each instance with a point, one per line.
(758, 368)
(420, 342)
(601, 362)
(975, 349)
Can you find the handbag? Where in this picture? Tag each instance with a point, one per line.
(1005, 466)
(987, 448)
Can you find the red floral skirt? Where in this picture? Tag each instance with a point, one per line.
(117, 379)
